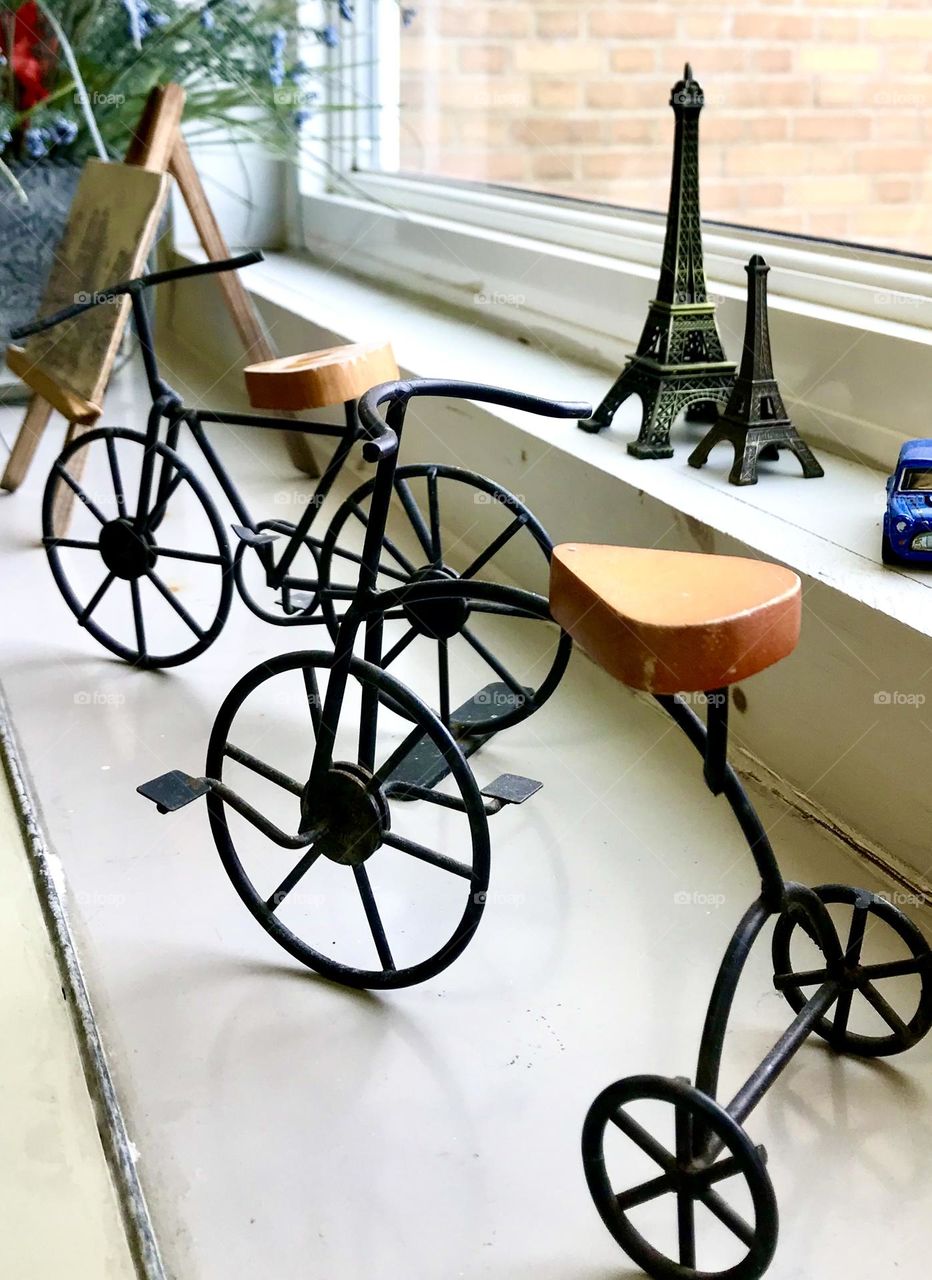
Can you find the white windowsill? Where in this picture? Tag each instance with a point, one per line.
(827, 529)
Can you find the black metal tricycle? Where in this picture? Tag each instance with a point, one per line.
(673, 1173)
(146, 567)
(323, 760)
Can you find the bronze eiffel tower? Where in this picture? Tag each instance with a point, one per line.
(679, 360)
(755, 421)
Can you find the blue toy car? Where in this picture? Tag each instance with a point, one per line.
(907, 521)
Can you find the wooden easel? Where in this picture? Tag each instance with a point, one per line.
(158, 146)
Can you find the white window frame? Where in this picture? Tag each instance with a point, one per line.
(578, 274)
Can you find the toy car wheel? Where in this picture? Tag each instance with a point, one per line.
(390, 889)
(152, 585)
(724, 1204)
(886, 1004)
(887, 554)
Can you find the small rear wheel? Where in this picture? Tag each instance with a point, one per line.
(388, 891)
(885, 1005)
(737, 1231)
(153, 586)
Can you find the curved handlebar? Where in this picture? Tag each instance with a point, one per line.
(135, 286)
(382, 439)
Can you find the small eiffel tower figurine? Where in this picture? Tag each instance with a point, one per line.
(679, 360)
(755, 421)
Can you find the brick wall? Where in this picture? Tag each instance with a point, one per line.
(817, 115)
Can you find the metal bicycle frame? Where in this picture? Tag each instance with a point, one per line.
(777, 897)
(167, 404)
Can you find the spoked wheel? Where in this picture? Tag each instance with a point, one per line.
(460, 646)
(886, 1004)
(292, 605)
(152, 586)
(379, 892)
(672, 1186)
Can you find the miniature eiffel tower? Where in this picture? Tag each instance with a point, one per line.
(755, 421)
(679, 360)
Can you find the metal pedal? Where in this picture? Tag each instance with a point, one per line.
(298, 601)
(173, 790)
(491, 703)
(251, 538)
(511, 788)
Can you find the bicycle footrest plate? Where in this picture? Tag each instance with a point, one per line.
(173, 790)
(511, 788)
(253, 539)
(297, 602)
(491, 703)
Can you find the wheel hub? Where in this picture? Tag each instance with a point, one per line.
(353, 816)
(125, 551)
(438, 619)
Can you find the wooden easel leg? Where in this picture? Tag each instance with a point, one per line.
(65, 497)
(30, 432)
(239, 304)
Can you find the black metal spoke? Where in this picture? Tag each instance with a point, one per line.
(357, 559)
(76, 488)
(498, 667)
(200, 557)
(494, 547)
(264, 770)
(427, 855)
(886, 1010)
(95, 600)
(806, 978)
(433, 506)
(896, 968)
(313, 697)
(641, 1138)
(728, 1217)
(275, 900)
(412, 511)
(170, 598)
(643, 1193)
(389, 764)
(399, 648)
(73, 544)
(842, 1011)
(685, 1206)
(137, 618)
(155, 515)
(115, 476)
(386, 541)
(856, 935)
(375, 920)
(443, 677)
(726, 1168)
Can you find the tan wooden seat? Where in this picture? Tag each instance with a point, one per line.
(674, 621)
(319, 378)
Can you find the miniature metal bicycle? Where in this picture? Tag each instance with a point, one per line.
(150, 575)
(671, 623)
(330, 775)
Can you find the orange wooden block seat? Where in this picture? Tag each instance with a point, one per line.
(317, 379)
(674, 621)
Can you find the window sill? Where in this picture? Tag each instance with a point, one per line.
(816, 721)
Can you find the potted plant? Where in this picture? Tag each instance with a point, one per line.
(75, 74)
